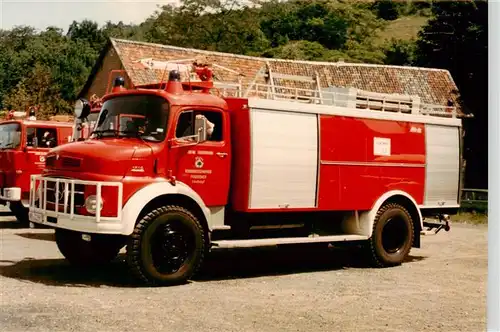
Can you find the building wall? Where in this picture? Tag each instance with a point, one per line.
(110, 62)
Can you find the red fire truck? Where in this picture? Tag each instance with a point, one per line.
(174, 172)
(24, 143)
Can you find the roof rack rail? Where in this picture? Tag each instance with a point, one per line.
(307, 89)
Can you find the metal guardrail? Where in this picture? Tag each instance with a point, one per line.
(474, 199)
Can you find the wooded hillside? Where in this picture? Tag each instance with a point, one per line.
(49, 67)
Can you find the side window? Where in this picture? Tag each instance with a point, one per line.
(44, 137)
(47, 137)
(185, 124)
(30, 136)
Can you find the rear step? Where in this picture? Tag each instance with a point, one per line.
(286, 240)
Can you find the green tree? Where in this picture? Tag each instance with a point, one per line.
(87, 31)
(387, 10)
(400, 52)
(208, 25)
(456, 39)
(310, 21)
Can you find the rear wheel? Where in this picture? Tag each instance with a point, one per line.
(99, 250)
(167, 246)
(392, 236)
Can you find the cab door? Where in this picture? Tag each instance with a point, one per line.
(205, 167)
(39, 140)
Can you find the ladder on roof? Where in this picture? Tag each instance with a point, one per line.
(274, 89)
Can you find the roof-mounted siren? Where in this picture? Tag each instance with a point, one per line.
(31, 113)
(82, 109)
(119, 84)
(174, 84)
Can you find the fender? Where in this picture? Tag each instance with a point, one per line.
(361, 223)
(138, 201)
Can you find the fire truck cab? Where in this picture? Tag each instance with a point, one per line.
(24, 143)
(175, 171)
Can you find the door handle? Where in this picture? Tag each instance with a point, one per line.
(221, 154)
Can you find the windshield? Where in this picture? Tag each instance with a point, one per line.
(92, 120)
(10, 135)
(143, 116)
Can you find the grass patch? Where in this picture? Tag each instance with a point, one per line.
(404, 28)
(474, 218)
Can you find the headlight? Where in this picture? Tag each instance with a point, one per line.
(91, 204)
(82, 108)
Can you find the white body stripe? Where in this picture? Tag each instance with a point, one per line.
(284, 149)
(136, 203)
(290, 106)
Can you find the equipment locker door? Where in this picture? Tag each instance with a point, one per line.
(205, 167)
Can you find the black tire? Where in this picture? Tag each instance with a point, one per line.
(166, 265)
(20, 212)
(100, 250)
(392, 236)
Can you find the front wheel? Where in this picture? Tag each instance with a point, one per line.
(392, 236)
(167, 246)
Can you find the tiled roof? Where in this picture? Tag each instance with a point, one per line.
(434, 86)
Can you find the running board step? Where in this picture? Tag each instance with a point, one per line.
(286, 240)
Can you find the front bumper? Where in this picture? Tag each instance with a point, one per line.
(84, 224)
(52, 203)
(11, 194)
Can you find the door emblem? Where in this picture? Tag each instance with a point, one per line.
(198, 162)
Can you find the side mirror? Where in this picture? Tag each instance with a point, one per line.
(200, 129)
(82, 108)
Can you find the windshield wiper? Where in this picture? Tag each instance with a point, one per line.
(7, 146)
(100, 132)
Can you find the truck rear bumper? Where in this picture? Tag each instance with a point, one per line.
(444, 223)
(11, 194)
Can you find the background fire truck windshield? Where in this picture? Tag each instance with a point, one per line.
(10, 135)
(143, 116)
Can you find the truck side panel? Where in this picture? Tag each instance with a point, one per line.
(361, 159)
(284, 159)
(443, 166)
(276, 167)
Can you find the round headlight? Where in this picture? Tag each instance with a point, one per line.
(78, 108)
(91, 204)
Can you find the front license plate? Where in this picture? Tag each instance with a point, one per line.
(36, 217)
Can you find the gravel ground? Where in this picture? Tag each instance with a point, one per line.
(442, 287)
